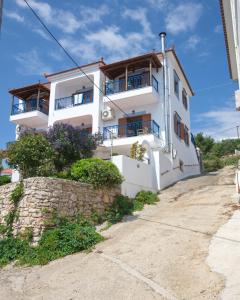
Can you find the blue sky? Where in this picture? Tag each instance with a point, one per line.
(118, 29)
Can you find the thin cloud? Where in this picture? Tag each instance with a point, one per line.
(192, 42)
(218, 28)
(66, 20)
(111, 41)
(158, 4)
(14, 16)
(42, 33)
(30, 63)
(183, 17)
(219, 123)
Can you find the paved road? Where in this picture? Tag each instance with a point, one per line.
(159, 253)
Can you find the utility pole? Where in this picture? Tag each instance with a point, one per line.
(237, 131)
(1, 13)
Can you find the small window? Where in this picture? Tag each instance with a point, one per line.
(177, 124)
(176, 84)
(184, 99)
(181, 164)
(186, 135)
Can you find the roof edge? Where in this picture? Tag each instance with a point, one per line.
(181, 68)
(226, 37)
(75, 68)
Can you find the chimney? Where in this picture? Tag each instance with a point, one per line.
(162, 36)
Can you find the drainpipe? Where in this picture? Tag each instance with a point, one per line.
(162, 36)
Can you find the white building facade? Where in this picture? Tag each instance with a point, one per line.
(230, 11)
(144, 99)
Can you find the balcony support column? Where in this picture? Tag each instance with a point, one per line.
(150, 72)
(126, 78)
(12, 102)
(38, 97)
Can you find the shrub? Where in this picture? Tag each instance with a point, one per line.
(69, 236)
(137, 151)
(146, 197)
(29, 153)
(231, 161)
(4, 179)
(97, 172)
(70, 144)
(120, 207)
(212, 164)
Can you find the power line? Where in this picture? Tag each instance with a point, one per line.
(70, 57)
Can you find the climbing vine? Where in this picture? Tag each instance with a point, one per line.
(13, 213)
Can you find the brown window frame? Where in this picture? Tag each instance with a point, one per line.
(177, 124)
(186, 135)
(185, 99)
(176, 82)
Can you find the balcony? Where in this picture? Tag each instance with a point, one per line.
(131, 129)
(132, 82)
(32, 107)
(74, 100)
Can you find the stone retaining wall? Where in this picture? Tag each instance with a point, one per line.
(43, 195)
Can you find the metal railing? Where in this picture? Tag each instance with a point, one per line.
(134, 82)
(131, 129)
(30, 105)
(74, 100)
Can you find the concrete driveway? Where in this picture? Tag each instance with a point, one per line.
(159, 253)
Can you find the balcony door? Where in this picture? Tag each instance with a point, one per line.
(133, 126)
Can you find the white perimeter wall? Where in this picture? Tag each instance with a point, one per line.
(137, 175)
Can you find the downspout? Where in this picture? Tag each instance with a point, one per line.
(166, 107)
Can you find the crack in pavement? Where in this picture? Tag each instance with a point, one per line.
(152, 284)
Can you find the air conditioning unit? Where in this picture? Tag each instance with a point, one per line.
(107, 114)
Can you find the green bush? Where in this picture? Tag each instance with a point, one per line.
(98, 172)
(17, 193)
(212, 164)
(12, 249)
(146, 197)
(231, 161)
(68, 237)
(120, 207)
(66, 174)
(30, 153)
(4, 179)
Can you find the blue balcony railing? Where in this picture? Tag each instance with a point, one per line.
(134, 82)
(30, 105)
(131, 129)
(74, 100)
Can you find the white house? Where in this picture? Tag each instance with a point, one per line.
(230, 11)
(144, 98)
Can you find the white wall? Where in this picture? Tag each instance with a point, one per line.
(137, 175)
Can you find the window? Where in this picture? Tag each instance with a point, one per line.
(176, 84)
(177, 124)
(184, 99)
(181, 164)
(186, 135)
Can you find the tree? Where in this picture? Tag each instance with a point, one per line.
(205, 143)
(70, 144)
(30, 153)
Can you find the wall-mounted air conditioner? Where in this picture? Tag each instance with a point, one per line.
(107, 114)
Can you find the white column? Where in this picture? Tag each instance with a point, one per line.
(97, 97)
(51, 104)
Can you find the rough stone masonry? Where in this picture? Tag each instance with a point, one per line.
(44, 195)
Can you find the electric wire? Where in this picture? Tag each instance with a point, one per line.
(71, 58)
